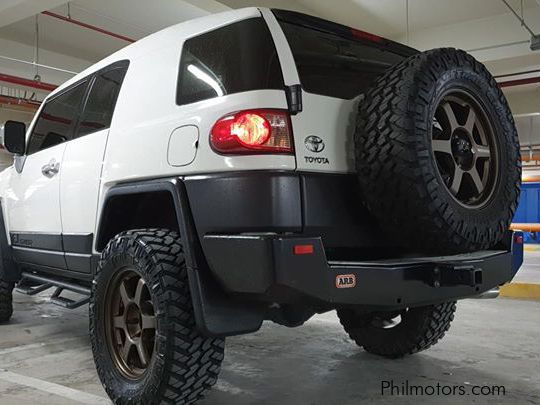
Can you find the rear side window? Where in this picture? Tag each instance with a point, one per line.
(331, 65)
(236, 58)
(57, 119)
(99, 108)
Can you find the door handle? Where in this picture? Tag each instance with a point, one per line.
(51, 169)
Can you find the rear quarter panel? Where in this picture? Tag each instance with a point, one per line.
(147, 114)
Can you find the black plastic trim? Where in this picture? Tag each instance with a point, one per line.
(55, 272)
(72, 242)
(265, 201)
(78, 242)
(311, 204)
(49, 258)
(65, 252)
(294, 98)
(36, 240)
(79, 262)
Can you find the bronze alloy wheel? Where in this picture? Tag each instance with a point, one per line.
(437, 154)
(130, 323)
(145, 341)
(465, 149)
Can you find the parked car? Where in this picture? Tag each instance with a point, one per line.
(260, 165)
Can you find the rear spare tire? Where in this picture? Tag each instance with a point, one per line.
(437, 153)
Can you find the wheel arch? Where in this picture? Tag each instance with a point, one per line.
(216, 313)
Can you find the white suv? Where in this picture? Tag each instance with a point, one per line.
(259, 165)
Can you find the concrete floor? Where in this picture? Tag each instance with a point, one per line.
(45, 358)
(530, 271)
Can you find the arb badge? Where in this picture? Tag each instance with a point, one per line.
(346, 281)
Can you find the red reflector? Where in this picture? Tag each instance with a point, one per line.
(303, 249)
(253, 131)
(518, 239)
(366, 35)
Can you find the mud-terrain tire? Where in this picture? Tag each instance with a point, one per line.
(379, 333)
(141, 292)
(437, 153)
(6, 301)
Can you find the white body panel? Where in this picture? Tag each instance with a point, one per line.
(33, 199)
(183, 144)
(332, 120)
(150, 136)
(80, 182)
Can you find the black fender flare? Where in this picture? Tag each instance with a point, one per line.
(216, 313)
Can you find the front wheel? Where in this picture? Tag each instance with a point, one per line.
(398, 333)
(6, 301)
(145, 343)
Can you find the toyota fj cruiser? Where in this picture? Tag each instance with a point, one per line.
(259, 165)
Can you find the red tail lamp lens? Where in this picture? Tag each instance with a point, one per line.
(253, 131)
(303, 249)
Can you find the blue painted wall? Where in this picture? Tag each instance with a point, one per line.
(528, 209)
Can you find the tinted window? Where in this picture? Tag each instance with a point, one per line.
(238, 57)
(335, 66)
(56, 120)
(99, 108)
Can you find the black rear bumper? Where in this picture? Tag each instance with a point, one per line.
(289, 269)
(249, 223)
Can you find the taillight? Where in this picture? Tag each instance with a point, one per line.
(253, 131)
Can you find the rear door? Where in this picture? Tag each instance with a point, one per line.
(82, 164)
(335, 66)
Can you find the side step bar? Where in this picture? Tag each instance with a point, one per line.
(44, 283)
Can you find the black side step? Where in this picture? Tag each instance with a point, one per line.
(44, 283)
(32, 289)
(67, 302)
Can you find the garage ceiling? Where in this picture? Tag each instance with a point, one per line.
(485, 26)
(387, 17)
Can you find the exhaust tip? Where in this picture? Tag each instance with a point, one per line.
(493, 293)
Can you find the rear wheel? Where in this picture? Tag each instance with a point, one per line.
(398, 333)
(6, 301)
(146, 346)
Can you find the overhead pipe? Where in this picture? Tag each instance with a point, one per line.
(520, 18)
(88, 26)
(41, 65)
(520, 82)
(34, 105)
(531, 179)
(525, 157)
(21, 81)
(525, 227)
